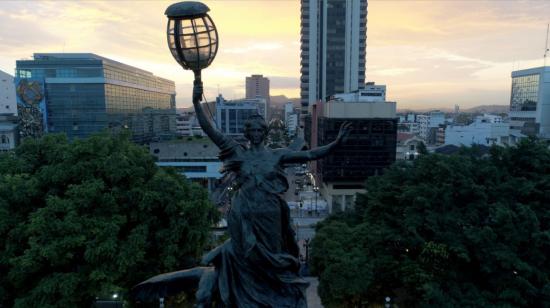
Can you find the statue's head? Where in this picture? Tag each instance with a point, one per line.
(255, 129)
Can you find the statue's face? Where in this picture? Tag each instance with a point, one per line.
(255, 133)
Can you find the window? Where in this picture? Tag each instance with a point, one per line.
(191, 168)
(411, 147)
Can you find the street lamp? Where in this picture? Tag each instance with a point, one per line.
(316, 190)
(192, 36)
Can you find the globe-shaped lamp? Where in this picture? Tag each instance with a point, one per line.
(192, 35)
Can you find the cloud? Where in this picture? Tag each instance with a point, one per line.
(255, 47)
(424, 51)
(281, 82)
(394, 71)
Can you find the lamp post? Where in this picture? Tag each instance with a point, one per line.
(192, 36)
(316, 190)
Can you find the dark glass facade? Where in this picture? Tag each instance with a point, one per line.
(369, 149)
(525, 93)
(86, 93)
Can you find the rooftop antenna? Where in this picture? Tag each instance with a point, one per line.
(546, 49)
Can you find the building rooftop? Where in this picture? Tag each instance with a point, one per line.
(184, 149)
(533, 70)
(88, 56)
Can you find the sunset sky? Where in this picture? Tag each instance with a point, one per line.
(430, 54)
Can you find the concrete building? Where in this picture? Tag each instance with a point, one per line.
(8, 103)
(408, 127)
(231, 115)
(83, 93)
(197, 159)
(291, 119)
(9, 133)
(333, 48)
(485, 130)
(407, 146)
(370, 148)
(427, 122)
(530, 102)
(371, 94)
(187, 123)
(257, 86)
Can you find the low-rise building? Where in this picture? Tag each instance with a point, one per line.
(485, 130)
(407, 146)
(196, 158)
(9, 133)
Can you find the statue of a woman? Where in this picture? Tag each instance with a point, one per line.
(258, 266)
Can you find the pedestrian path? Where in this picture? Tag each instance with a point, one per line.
(313, 299)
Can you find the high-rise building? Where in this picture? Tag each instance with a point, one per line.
(8, 103)
(83, 93)
(333, 48)
(257, 86)
(530, 102)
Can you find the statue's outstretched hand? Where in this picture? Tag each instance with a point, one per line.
(345, 129)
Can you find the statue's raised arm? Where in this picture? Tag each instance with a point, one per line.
(215, 135)
(319, 152)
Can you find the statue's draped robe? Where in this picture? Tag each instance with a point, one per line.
(258, 266)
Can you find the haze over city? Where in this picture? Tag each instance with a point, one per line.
(430, 54)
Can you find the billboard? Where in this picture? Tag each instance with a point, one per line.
(31, 107)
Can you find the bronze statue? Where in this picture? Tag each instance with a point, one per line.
(258, 266)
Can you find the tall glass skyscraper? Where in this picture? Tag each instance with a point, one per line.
(83, 93)
(333, 48)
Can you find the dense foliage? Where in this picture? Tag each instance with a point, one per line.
(90, 218)
(445, 231)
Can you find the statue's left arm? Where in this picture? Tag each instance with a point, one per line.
(319, 152)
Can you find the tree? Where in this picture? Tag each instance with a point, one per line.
(89, 218)
(446, 231)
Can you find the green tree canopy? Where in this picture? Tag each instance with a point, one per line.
(90, 218)
(446, 231)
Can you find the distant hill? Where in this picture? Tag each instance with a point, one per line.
(280, 100)
(488, 109)
(495, 109)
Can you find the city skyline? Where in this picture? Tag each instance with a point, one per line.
(430, 54)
